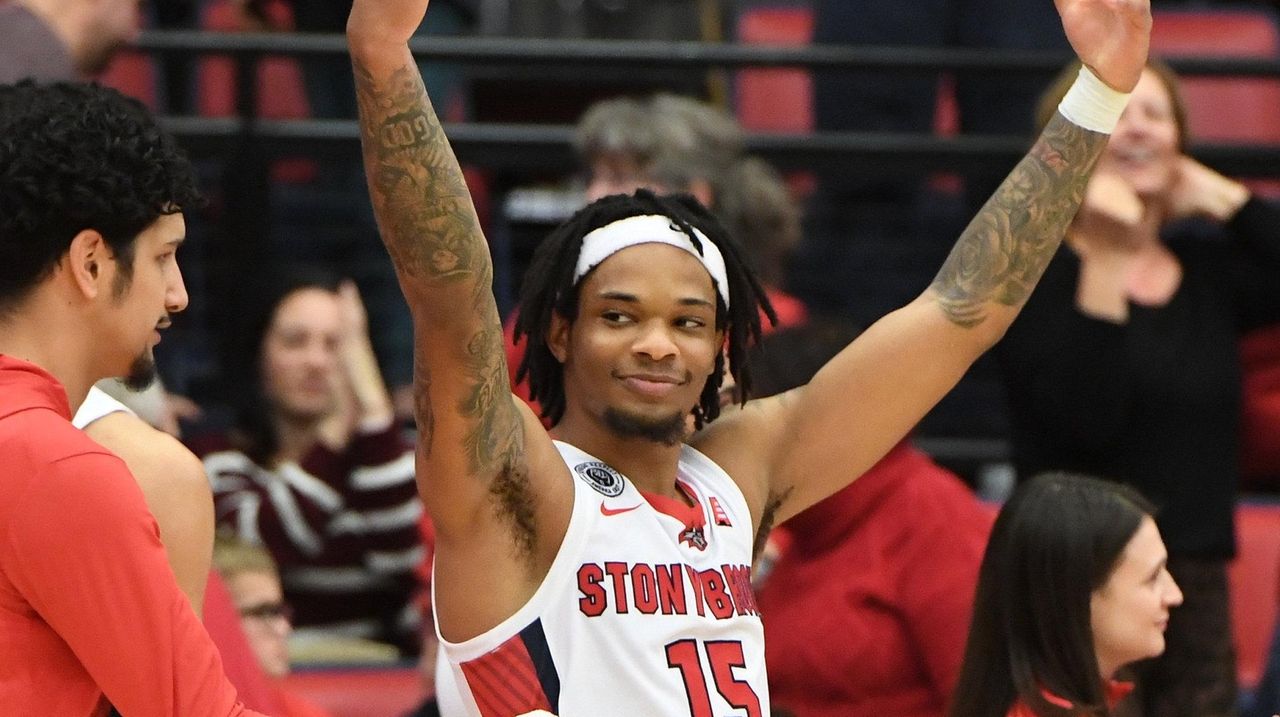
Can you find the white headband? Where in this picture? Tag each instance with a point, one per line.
(602, 243)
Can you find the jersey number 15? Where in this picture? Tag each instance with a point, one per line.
(722, 657)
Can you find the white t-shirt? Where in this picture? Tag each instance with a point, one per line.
(641, 613)
(96, 405)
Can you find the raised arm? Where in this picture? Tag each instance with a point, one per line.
(869, 396)
(477, 471)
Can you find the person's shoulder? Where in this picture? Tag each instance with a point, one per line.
(151, 454)
(66, 467)
(40, 435)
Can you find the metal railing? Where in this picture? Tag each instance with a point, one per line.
(530, 147)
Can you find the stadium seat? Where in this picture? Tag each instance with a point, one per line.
(134, 74)
(1260, 410)
(281, 93)
(775, 99)
(1254, 577)
(1224, 109)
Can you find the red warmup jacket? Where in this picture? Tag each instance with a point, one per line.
(90, 612)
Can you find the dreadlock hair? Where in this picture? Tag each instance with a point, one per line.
(549, 290)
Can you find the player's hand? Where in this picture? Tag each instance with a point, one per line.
(388, 22)
(1111, 37)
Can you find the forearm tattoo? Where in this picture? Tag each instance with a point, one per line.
(1004, 250)
(429, 226)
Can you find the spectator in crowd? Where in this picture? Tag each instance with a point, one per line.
(253, 581)
(616, 142)
(1073, 587)
(866, 605)
(1125, 365)
(621, 141)
(316, 469)
(62, 39)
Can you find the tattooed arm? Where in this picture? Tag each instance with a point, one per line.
(798, 448)
(482, 456)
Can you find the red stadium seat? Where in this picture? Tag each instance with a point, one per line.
(281, 91)
(1254, 577)
(775, 99)
(1260, 410)
(1224, 108)
(134, 74)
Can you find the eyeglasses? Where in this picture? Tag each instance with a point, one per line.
(268, 611)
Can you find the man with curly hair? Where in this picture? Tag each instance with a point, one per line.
(59, 41)
(91, 195)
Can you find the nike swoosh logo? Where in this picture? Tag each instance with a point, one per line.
(606, 510)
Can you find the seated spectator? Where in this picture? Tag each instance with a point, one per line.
(866, 604)
(1074, 586)
(316, 470)
(253, 581)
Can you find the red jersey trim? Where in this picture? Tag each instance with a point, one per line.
(510, 681)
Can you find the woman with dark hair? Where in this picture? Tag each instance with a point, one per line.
(1125, 364)
(316, 469)
(1073, 587)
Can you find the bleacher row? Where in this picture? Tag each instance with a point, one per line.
(1245, 110)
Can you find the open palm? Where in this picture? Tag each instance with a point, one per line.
(388, 21)
(1111, 37)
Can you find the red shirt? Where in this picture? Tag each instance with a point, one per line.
(866, 612)
(87, 601)
(1116, 691)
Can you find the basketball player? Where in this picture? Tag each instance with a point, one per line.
(606, 571)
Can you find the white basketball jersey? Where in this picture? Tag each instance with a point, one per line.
(641, 613)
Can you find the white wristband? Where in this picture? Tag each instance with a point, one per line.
(1091, 104)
